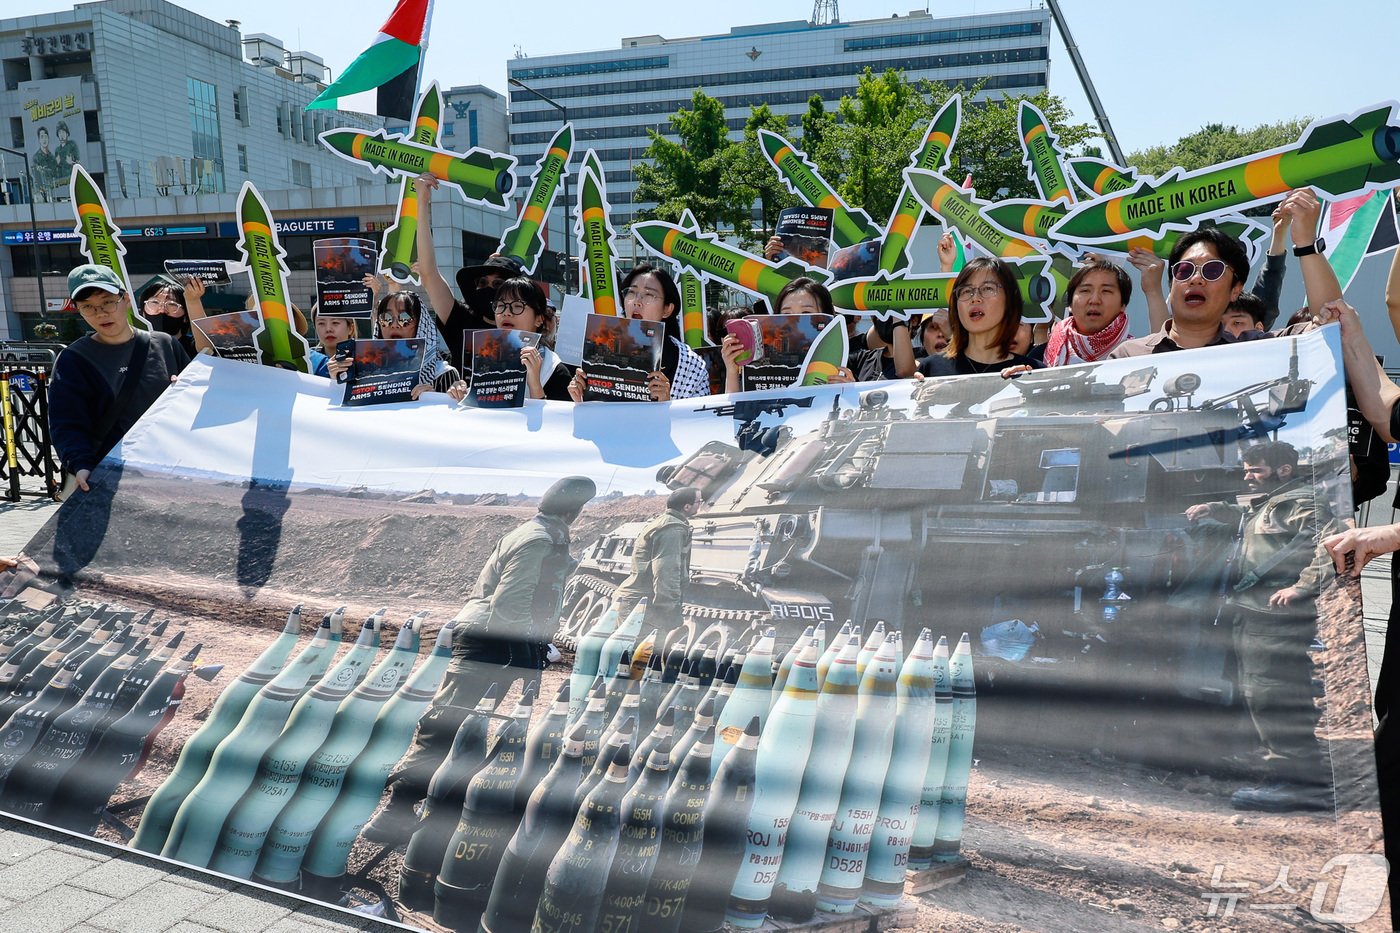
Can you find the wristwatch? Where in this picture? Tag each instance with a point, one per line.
(1310, 249)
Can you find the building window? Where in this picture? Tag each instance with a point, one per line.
(243, 158)
(593, 68)
(207, 138)
(471, 128)
(241, 111)
(301, 173)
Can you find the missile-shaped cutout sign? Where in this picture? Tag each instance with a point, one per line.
(849, 225)
(707, 257)
(524, 241)
(482, 176)
(400, 250)
(101, 238)
(1341, 156)
(279, 343)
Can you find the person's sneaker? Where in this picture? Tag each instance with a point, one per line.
(392, 826)
(1280, 797)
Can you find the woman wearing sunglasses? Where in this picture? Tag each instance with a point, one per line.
(399, 316)
(984, 314)
(519, 305)
(650, 294)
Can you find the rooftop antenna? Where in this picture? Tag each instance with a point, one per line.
(826, 12)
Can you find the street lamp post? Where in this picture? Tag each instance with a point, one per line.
(568, 204)
(33, 226)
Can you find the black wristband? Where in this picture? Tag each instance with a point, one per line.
(1310, 249)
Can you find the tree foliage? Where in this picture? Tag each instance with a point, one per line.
(864, 151)
(1215, 143)
(688, 172)
(752, 185)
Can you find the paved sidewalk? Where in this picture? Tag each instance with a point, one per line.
(50, 881)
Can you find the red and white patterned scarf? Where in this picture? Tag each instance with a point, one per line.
(1065, 339)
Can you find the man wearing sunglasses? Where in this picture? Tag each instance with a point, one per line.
(1208, 270)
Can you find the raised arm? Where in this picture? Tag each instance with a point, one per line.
(194, 308)
(438, 291)
(1303, 209)
(1375, 393)
(1152, 267)
(1392, 293)
(1269, 285)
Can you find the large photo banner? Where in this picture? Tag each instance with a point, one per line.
(1061, 649)
(55, 133)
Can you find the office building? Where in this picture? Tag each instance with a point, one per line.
(170, 113)
(617, 96)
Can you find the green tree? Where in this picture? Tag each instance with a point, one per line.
(688, 172)
(1215, 143)
(751, 182)
(865, 151)
(815, 122)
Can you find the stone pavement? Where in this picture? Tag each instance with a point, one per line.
(53, 882)
(50, 881)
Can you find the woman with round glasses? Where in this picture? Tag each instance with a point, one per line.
(984, 314)
(163, 304)
(650, 294)
(399, 316)
(520, 305)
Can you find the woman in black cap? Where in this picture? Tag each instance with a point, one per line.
(478, 283)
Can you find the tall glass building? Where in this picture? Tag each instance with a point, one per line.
(616, 96)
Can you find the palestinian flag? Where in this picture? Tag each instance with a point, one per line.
(1355, 228)
(391, 64)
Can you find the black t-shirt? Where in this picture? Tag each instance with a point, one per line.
(940, 365)
(461, 320)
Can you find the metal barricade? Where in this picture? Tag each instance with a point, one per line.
(25, 369)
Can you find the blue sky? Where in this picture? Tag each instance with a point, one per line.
(1162, 70)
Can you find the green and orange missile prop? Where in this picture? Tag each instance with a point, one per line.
(962, 211)
(710, 259)
(400, 250)
(279, 343)
(101, 239)
(1032, 221)
(692, 288)
(932, 154)
(1098, 177)
(591, 162)
(849, 225)
(827, 354)
(524, 240)
(1042, 156)
(483, 177)
(596, 236)
(913, 293)
(1340, 156)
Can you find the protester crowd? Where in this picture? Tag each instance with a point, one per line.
(1198, 297)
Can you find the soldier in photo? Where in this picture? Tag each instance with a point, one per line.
(661, 563)
(1273, 602)
(502, 633)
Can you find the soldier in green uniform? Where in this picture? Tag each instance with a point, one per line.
(1274, 607)
(502, 633)
(661, 563)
